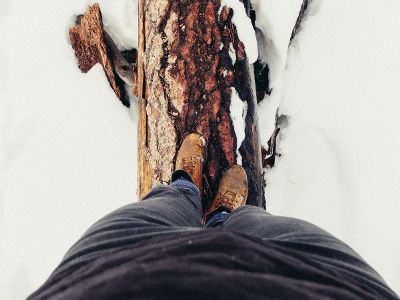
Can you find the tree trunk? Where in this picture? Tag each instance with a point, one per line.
(186, 79)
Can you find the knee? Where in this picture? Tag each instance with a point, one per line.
(250, 211)
(248, 216)
(156, 191)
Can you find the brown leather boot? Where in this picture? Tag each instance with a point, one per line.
(232, 191)
(191, 157)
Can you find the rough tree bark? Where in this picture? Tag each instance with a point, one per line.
(185, 81)
(88, 40)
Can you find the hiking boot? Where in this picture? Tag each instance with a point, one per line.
(232, 192)
(191, 157)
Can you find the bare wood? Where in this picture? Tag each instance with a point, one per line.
(144, 173)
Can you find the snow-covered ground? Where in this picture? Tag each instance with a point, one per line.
(340, 165)
(68, 147)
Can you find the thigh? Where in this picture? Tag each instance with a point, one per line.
(302, 236)
(164, 210)
(258, 222)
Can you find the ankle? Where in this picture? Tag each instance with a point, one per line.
(217, 218)
(186, 186)
(181, 174)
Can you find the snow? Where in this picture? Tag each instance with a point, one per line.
(275, 19)
(238, 114)
(68, 147)
(120, 21)
(340, 166)
(5, 7)
(244, 28)
(232, 53)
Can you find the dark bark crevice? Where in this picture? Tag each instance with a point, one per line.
(302, 13)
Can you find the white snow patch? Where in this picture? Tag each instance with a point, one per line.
(120, 21)
(238, 115)
(275, 20)
(244, 28)
(5, 7)
(232, 53)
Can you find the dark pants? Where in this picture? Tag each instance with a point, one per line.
(168, 210)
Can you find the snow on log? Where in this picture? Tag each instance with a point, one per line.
(188, 81)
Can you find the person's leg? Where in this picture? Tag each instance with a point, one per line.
(258, 222)
(165, 209)
(300, 235)
(227, 212)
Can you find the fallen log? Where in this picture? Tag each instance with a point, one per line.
(193, 73)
